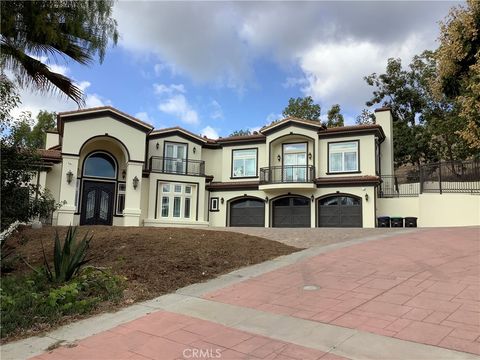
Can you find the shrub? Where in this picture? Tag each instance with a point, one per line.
(67, 260)
(33, 302)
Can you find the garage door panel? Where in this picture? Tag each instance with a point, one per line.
(291, 212)
(340, 211)
(247, 212)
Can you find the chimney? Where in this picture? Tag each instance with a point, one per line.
(383, 117)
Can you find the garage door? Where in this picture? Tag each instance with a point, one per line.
(340, 211)
(247, 212)
(291, 212)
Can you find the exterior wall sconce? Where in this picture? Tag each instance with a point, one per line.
(222, 200)
(194, 149)
(69, 176)
(157, 146)
(135, 182)
(124, 173)
(312, 198)
(279, 157)
(366, 197)
(266, 199)
(310, 156)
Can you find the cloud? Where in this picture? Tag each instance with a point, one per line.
(209, 132)
(272, 117)
(178, 106)
(144, 117)
(216, 112)
(168, 89)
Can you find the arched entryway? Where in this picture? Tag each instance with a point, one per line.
(99, 180)
(247, 211)
(291, 211)
(340, 210)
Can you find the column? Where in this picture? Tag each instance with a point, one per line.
(132, 211)
(67, 190)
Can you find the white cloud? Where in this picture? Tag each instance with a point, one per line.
(144, 117)
(209, 132)
(272, 117)
(178, 106)
(217, 112)
(160, 89)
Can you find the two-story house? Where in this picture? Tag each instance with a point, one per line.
(110, 168)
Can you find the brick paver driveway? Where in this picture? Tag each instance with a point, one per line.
(399, 293)
(422, 287)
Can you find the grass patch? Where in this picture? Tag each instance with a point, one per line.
(32, 303)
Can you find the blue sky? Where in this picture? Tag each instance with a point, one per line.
(214, 67)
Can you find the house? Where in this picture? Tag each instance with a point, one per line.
(110, 168)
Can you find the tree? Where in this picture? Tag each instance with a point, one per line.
(21, 199)
(31, 30)
(459, 67)
(242, 132)
(335, 118)
(303, 108)
(366, 117)
(45, 121)
(25, 134)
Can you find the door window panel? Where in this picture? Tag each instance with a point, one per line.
(176, 200)
(176, 206)
(187, 208)
(165, 201)
(175, 158)
(104, 200)
(90, 211)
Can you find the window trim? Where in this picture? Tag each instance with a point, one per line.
(329, 172)
(256, 164)
(214, 208)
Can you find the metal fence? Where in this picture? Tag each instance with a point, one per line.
(442, 177)
(177, 166)
(287, 174)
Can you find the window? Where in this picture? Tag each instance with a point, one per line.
(176, 200)
(343, 157)
(214, 204)
(77, 194)
(244, 163)
(100, 165)
(175, 158)
(120, 198)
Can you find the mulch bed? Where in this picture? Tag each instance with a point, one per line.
(155, 261)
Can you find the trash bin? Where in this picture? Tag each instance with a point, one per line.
(410, 221)
(396, 222)
(383, 221)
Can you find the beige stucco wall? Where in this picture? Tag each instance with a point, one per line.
(213, 163)
(434, 209)
(76, 133)
(52, 139)
(367, 155)
(385, 120)
(108, 145)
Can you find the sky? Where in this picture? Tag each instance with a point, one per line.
(215, 67)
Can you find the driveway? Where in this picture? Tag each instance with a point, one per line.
(408, 295)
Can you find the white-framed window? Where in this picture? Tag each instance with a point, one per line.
(121, 187)
(244, 163)
(343, 156)
(214, 204)
(176, 200)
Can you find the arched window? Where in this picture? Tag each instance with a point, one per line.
(100, 164)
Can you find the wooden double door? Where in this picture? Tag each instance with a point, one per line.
(97, 203)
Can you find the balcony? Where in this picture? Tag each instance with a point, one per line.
(291, 176)
(166, 165)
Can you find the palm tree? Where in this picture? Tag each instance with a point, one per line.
(34, 30)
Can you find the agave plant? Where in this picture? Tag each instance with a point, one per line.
(67, 260)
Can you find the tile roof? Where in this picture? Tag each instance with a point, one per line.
(50, 155)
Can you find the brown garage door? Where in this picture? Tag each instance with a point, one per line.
(340, 211)
(291, 212)
(247, 212)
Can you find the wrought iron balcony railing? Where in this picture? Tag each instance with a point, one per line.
(169, 165)
(287, 174)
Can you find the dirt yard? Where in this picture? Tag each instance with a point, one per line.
(155, 260)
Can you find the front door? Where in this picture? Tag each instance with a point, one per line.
(97, 203)
(295, 162)
(175, 158)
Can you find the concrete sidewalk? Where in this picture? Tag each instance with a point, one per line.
(279, 309)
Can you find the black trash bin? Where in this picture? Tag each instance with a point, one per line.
(383, 221)
(410, 221)
(396, 222)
